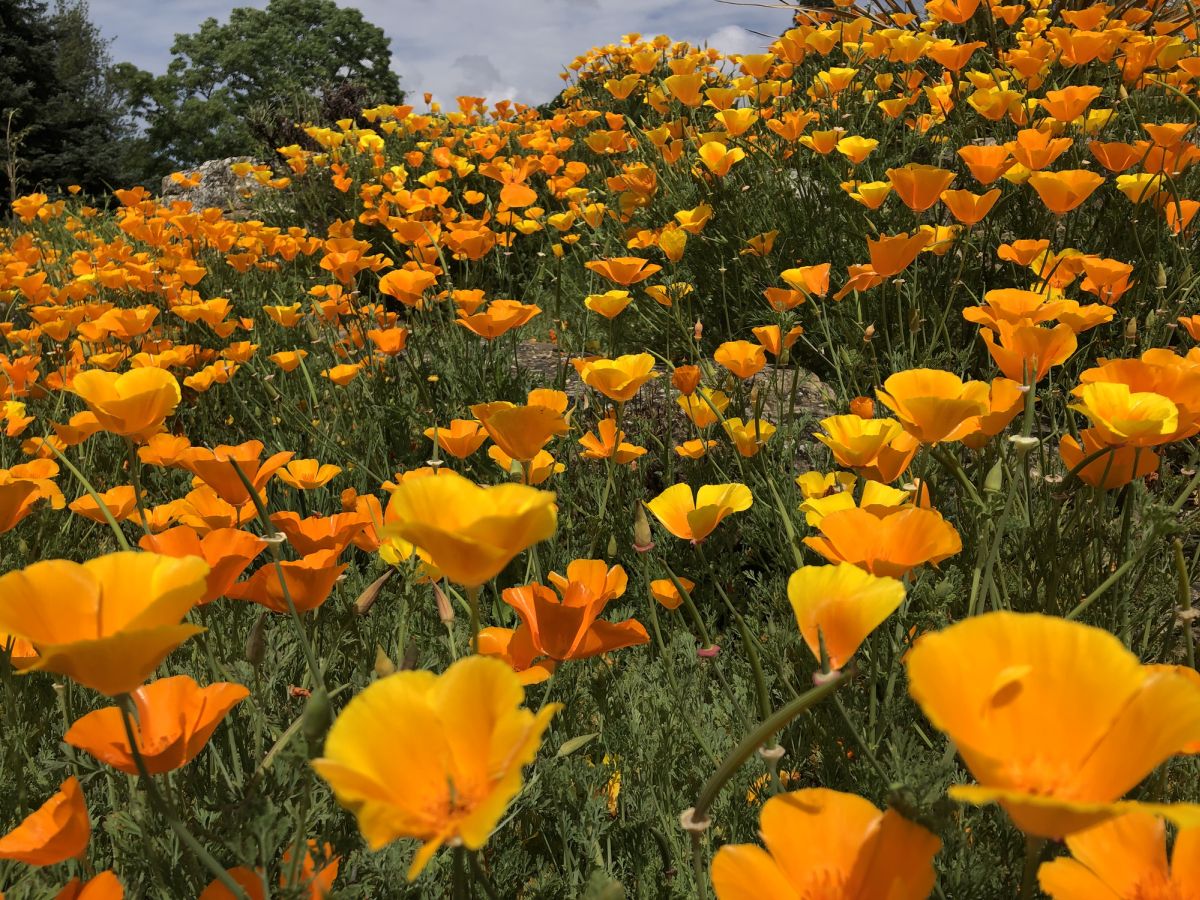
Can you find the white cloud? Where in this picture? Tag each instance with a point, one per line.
(491, 48)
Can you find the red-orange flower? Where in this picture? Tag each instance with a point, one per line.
(309, 581)
(226, 550)
(175, 719)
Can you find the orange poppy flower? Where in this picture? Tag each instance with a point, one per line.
(204, 511)
(987, 163)
(809, 280)
(309, 581)
(433, 757)
(891, 255)
(1055, 719)
(742, 358)
(308, 474)
(837, 607)
(932, 404)
(389, 341)
(1070, 103)
(107, 623)
(343, 374)
(500, 317)
(1112, 470)
(248, 880)
(825, 843)
(215, 468)
(532, 472)
(315, 884)
(1037, 150)
(1006, 400)
(719, 159)
(18, 498)
(520, 431)
(886, 541)
(968, 208)
(749, 437)
(175, 719)
(610, 304)
(570, 628)
(694, 518)
(1125, 857)
(608, 443)
(318, 532)
(460, 438)
(105, 886)
(228, 551)
(877, 449)
(497, 643)
(617, 379)
(695, 448)
(623, 270)
(1027, 352)
(664, 592)
(133, 404)
(163, 450)
(686, 379)
(56, 831)
(288, 360)
(470, 532)
(1063, 191)
(919, 186)
(1191, 324)
(120, 502)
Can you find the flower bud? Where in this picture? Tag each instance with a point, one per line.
(256, 644)
(643, 539)
(317, 717)
(444, 609)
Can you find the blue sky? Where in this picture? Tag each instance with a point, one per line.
(491, 48)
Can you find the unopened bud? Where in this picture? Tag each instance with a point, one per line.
(994, 482)
(643, 539)
(1160, 278)
(869, 334)
(256, 643)
(444, 610)
(383, 665)
(1131, 330)
(611, 550)
(698, 330)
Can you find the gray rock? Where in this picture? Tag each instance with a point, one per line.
(218, 187)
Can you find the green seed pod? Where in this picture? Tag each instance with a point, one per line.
(318, 716)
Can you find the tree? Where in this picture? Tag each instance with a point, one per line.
(237, 87)
(62, 120)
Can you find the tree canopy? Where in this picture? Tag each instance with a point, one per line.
(238, 84)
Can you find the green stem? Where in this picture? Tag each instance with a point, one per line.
(473, 602)
(87, 486)
(1033, 853)
(124, 702)
(759, 736)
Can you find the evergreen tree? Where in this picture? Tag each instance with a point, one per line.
(62, 119)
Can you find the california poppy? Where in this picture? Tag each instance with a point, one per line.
(886, 541)
(226, 550)
(433, 757)
(216, 468)
(694, 518)
(617, 379)
(470, 532)
(931, 404)
(308, 535)
(742, 358)
(1055, 719)
(624, 270)
(133, 404)
(568, 626)
(175, 719)
(309, 581)
(1125, 857)
(1063, 191)
(837, 607)
(56, 831)
(107, 623)
(919, 186)
(609, 443)
(823, 843)
(877, 449)
(308, 474)
(520, 431)
(892, 254)
(460, 438)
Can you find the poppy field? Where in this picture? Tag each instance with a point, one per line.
(748, 476)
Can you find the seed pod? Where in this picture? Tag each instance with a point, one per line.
(317, 717)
